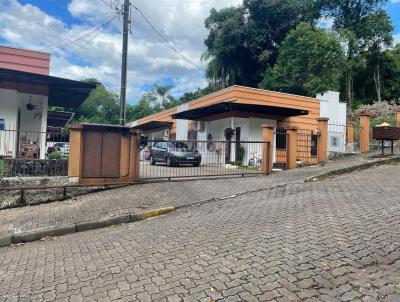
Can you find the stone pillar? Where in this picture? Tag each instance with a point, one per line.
(365, 121)
(350, 133)
(134, 171)
(322, 145)
(267, 151)
(291, 152)
(75, 151)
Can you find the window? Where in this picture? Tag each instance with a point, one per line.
(314, 145)
(2, 124)
(334, 141)
(281, 139)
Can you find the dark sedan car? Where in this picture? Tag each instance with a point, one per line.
(174, 154)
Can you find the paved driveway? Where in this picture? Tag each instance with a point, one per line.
(335, 240)
(162, 171)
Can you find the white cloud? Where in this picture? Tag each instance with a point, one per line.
(150, 59)
(396, 37)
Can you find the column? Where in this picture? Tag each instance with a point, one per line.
(75, 151)
(291, 152)
(365, 121)
(322, 145)
(267, 150)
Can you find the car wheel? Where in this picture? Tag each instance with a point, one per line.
(169, 162)
(196, 165)
(152, 161)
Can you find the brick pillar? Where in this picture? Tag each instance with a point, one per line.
(322, 147)
(134, 171)
(291, 148)
(398, 118)
(75, 151)
(267, 151)
(350, 133)
(365, 121)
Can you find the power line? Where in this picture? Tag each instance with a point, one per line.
(165, 39)
(46, 22)
(59, 44)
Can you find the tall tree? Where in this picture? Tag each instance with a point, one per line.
(244, 40)
(356, 20)
(310, 61)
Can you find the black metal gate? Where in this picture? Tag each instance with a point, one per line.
(168, 159)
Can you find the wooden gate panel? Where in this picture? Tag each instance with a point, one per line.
(111, 150)
(92, 154)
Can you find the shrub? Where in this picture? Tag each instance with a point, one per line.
(55, 155)
(380, 112)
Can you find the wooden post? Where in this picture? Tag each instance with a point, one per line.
(350, 133)
(267, 151)
(365, 120)
(134, 171)
(75, 151)
(322, 145)
(398, 118)
(291, 148)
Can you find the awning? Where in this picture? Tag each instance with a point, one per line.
(58, 119)
(62, 92)
(152, 125)
(204, 112)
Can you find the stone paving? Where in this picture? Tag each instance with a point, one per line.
(136, 198)
(334, 240)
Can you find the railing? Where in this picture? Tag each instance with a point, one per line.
(30, 152)
(307, 147)
(343, 139)
(200, 158)
(281, 148)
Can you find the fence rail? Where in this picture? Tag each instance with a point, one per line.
(307, 147)
(30, 152)
(200, 158)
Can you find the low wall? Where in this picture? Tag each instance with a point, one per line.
(12, 198)
(34, 167)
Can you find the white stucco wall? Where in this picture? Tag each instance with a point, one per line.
(182, 126)
(33, 124)
(332, 108)
(8, 111)
(250, 130)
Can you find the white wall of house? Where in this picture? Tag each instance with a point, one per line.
(182, 126)
(8, 111)
(33, 124)
(250, 130)
(336, 111)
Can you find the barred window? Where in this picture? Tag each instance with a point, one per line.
(281, 138)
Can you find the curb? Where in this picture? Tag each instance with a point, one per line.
(36, 235)
(360, 167)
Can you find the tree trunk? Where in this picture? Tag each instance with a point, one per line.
(349, 89)
(377, 80)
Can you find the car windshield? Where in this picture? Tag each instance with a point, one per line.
(178, 145)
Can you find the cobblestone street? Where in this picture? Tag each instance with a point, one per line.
(333, 240)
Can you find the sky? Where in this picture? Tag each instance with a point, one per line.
(84, 38)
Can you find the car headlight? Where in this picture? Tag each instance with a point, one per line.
(176, 153)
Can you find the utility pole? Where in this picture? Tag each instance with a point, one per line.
(126, 21)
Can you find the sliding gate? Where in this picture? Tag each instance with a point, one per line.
(168, 159)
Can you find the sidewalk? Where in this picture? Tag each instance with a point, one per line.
(141, 197)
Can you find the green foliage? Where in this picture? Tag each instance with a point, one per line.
(240, 155)
(55, 155)
(310, 61)
(244, 40)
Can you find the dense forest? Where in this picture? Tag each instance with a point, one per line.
(280, 45)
